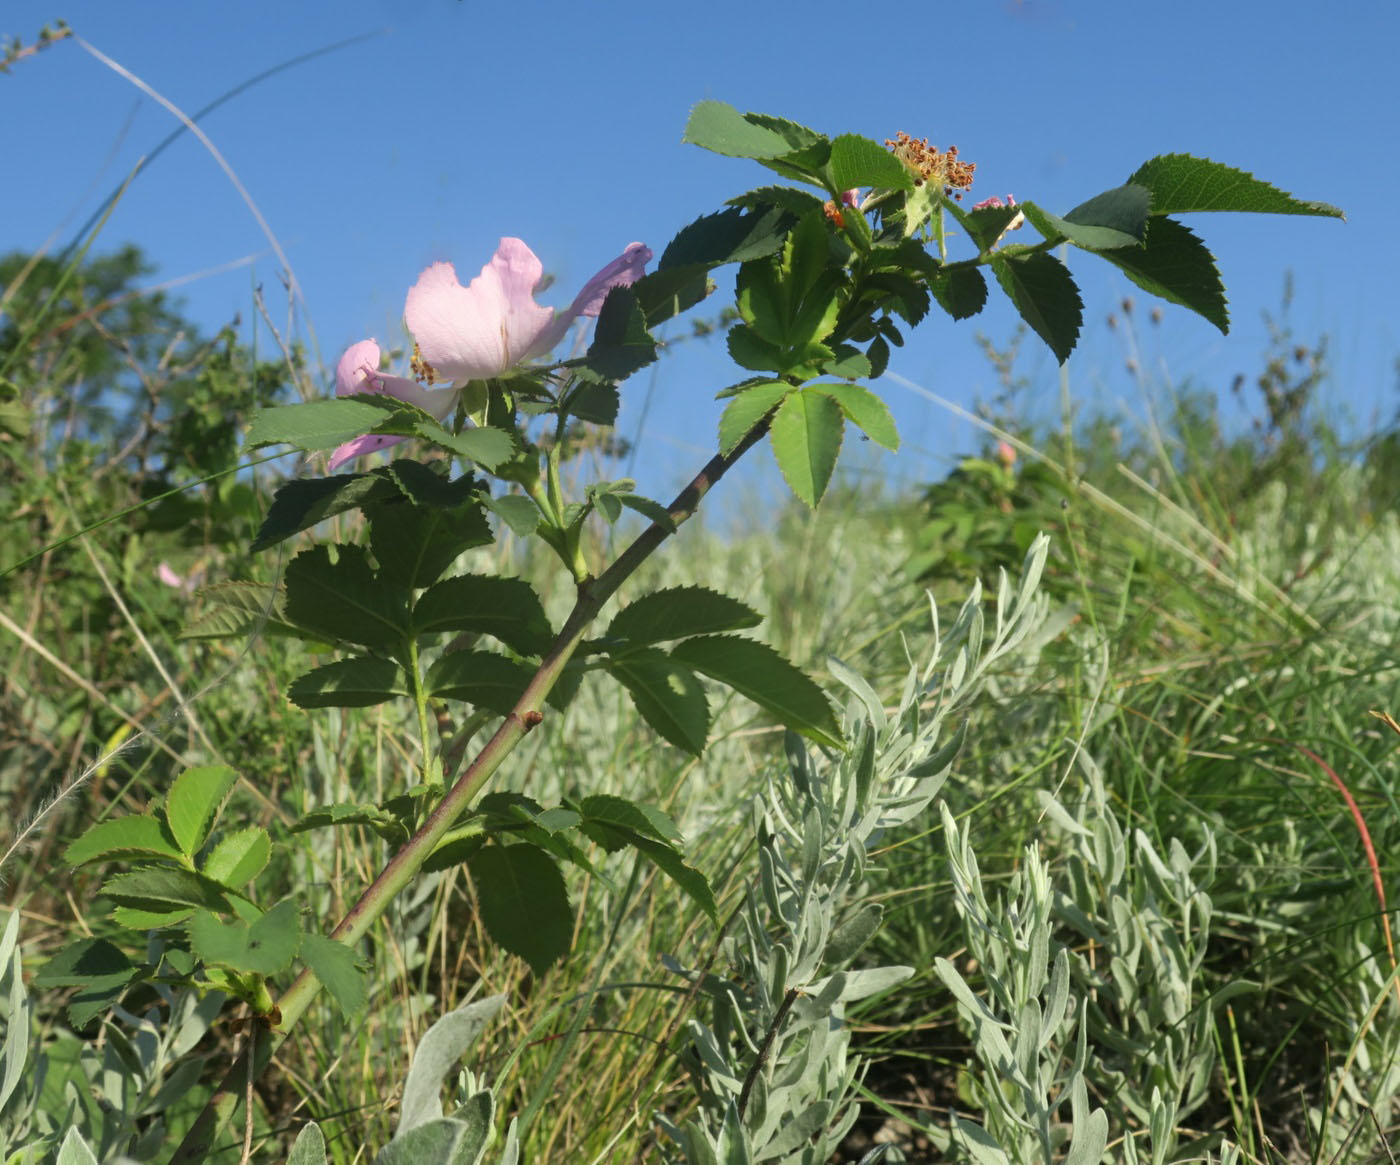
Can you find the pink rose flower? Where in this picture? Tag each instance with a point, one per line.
(476, 332)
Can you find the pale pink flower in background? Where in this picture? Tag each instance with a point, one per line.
(851, 197)
(166, 574)
(1006, 455)
(475, 332)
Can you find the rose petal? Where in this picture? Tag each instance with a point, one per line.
(358, 448)
(484, 329)
(357, 370)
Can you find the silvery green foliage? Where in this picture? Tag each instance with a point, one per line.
(116, 1088)
(1142, 1039)
(1023, 1027)
(770, 1061)
(1147, 918)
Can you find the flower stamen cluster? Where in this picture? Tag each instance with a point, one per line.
(928, 164)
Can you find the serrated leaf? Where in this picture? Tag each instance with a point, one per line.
(755, 670)
(123, 837)
(358, 682)
(346, 599)
(849, 363)
(1181, 183)
(324, 424)
(665, 294)
(687, 878)
(728, 236)
(486, 445)
(299, 505)
(987, 225)
(386, 824)
(718, 126)
(806, 436)
(594, 401)
(415, 544)
(650, 509)
(506, 608)
(1176, 266)
(238, 858)
(863, 409)
(638, 816)
(858, 161)
(1045, 294)
(960, 291)
(162, 890)
(232, 610)
(789, 199)
(135, 918)
(750, 350)
(194, 802)
(523, 901)
(679, 612)
(338, 969)
(668, 697)
(1115, 218)
(621, 344)
(518, 512)
(479, 677)
(90, 962)
(263, 947)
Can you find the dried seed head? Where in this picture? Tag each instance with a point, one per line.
(929, 165)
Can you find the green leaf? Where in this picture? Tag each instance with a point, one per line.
(749, 350)
(75, 1150)
(650, 509)
(523, 902)
(621, 343)
(163, 890)
(717, 126)
(1176, 266)
(858, 161)
(299, 505)
(1181, 184)
(667, 695)
(637, 816)
(238, 858)
(788, 199)
(123, 837)
(357, 682)
(1044, 293)
(263, 947)
(806, 434)
(346, 599)
(1115, 218)
(757, 671)
(385, 823)
(518, 512)
(987, 225)
(135, 918)
(850, 363)
(430, 486)
(233, 610)
(728, 236)
(90, 962)
(960, 291)
(415, 544)
(679, 612)
(687, 878)
(439, 1053)
(506, 608)
(594, 401)
(324, 424)
(479, 677)
(338, 969)
(863, 409)
(310, 1146)
(194, 802)
(663, 294)
(483, 444)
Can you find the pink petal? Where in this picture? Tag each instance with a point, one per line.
(358, 448)
(851, 197)
(484, 329)
(169, 577)
(623, 271)
(358, 369)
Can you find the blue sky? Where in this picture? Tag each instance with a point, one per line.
(457, 122)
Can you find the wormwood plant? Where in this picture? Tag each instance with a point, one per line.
(832, 266)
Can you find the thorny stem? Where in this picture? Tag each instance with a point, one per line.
(404, 866)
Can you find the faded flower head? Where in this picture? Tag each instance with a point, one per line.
(930, 165)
